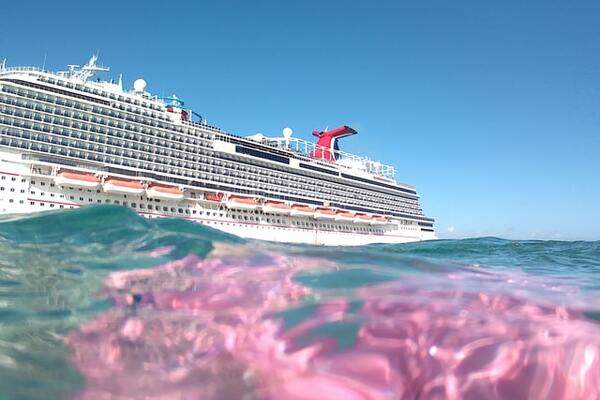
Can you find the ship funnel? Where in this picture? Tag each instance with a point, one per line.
(327, 145)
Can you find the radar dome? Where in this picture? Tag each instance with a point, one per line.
(139, 85)
(287, 132)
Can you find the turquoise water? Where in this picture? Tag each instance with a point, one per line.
(101, 303)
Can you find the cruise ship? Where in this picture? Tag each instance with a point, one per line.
(72, 138)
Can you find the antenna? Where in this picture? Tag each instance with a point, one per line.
(44, 63)
(88, 70)
(3, 65)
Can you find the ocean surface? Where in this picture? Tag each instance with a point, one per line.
(99, 303)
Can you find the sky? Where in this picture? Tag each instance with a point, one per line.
(491, 109)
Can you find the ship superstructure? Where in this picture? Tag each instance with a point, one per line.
(68, 139)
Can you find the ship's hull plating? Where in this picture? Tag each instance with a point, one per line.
(25, 191)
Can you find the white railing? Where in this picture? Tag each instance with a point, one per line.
(22, 69)
(333, 157)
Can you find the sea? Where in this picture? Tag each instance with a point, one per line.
(99, 303)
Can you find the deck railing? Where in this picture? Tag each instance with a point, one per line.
(337, 157)
(23, 69)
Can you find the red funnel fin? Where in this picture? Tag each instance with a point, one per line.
(327, 141)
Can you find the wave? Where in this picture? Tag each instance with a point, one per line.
(100, 302)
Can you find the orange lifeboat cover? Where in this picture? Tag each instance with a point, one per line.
(125, 183)
(78, 175)
(242, 199)
(277, 204)
(327, 211)
(301, 207)
(165, 188)
(213, 196)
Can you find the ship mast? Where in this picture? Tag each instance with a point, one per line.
(88, 70)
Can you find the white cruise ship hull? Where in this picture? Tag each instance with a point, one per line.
(23, 189)
(67, 141)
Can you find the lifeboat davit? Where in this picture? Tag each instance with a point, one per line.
(242, 202)
(123, 186)
(362, 219)
(344, 216)
(324, 213)
(276, 207)
(167, 192)
(299, 210)
(76, 178)
(378, 220)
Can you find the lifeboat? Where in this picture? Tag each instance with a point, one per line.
(276, 207)
(242, 202)
(123, 186)
(362, 219)
(76, 178)
(344, 216)
(324, 213)
(299, 210)
(378, 220)
(215, 197)
(167, 192)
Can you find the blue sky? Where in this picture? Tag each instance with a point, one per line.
(492, 109)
